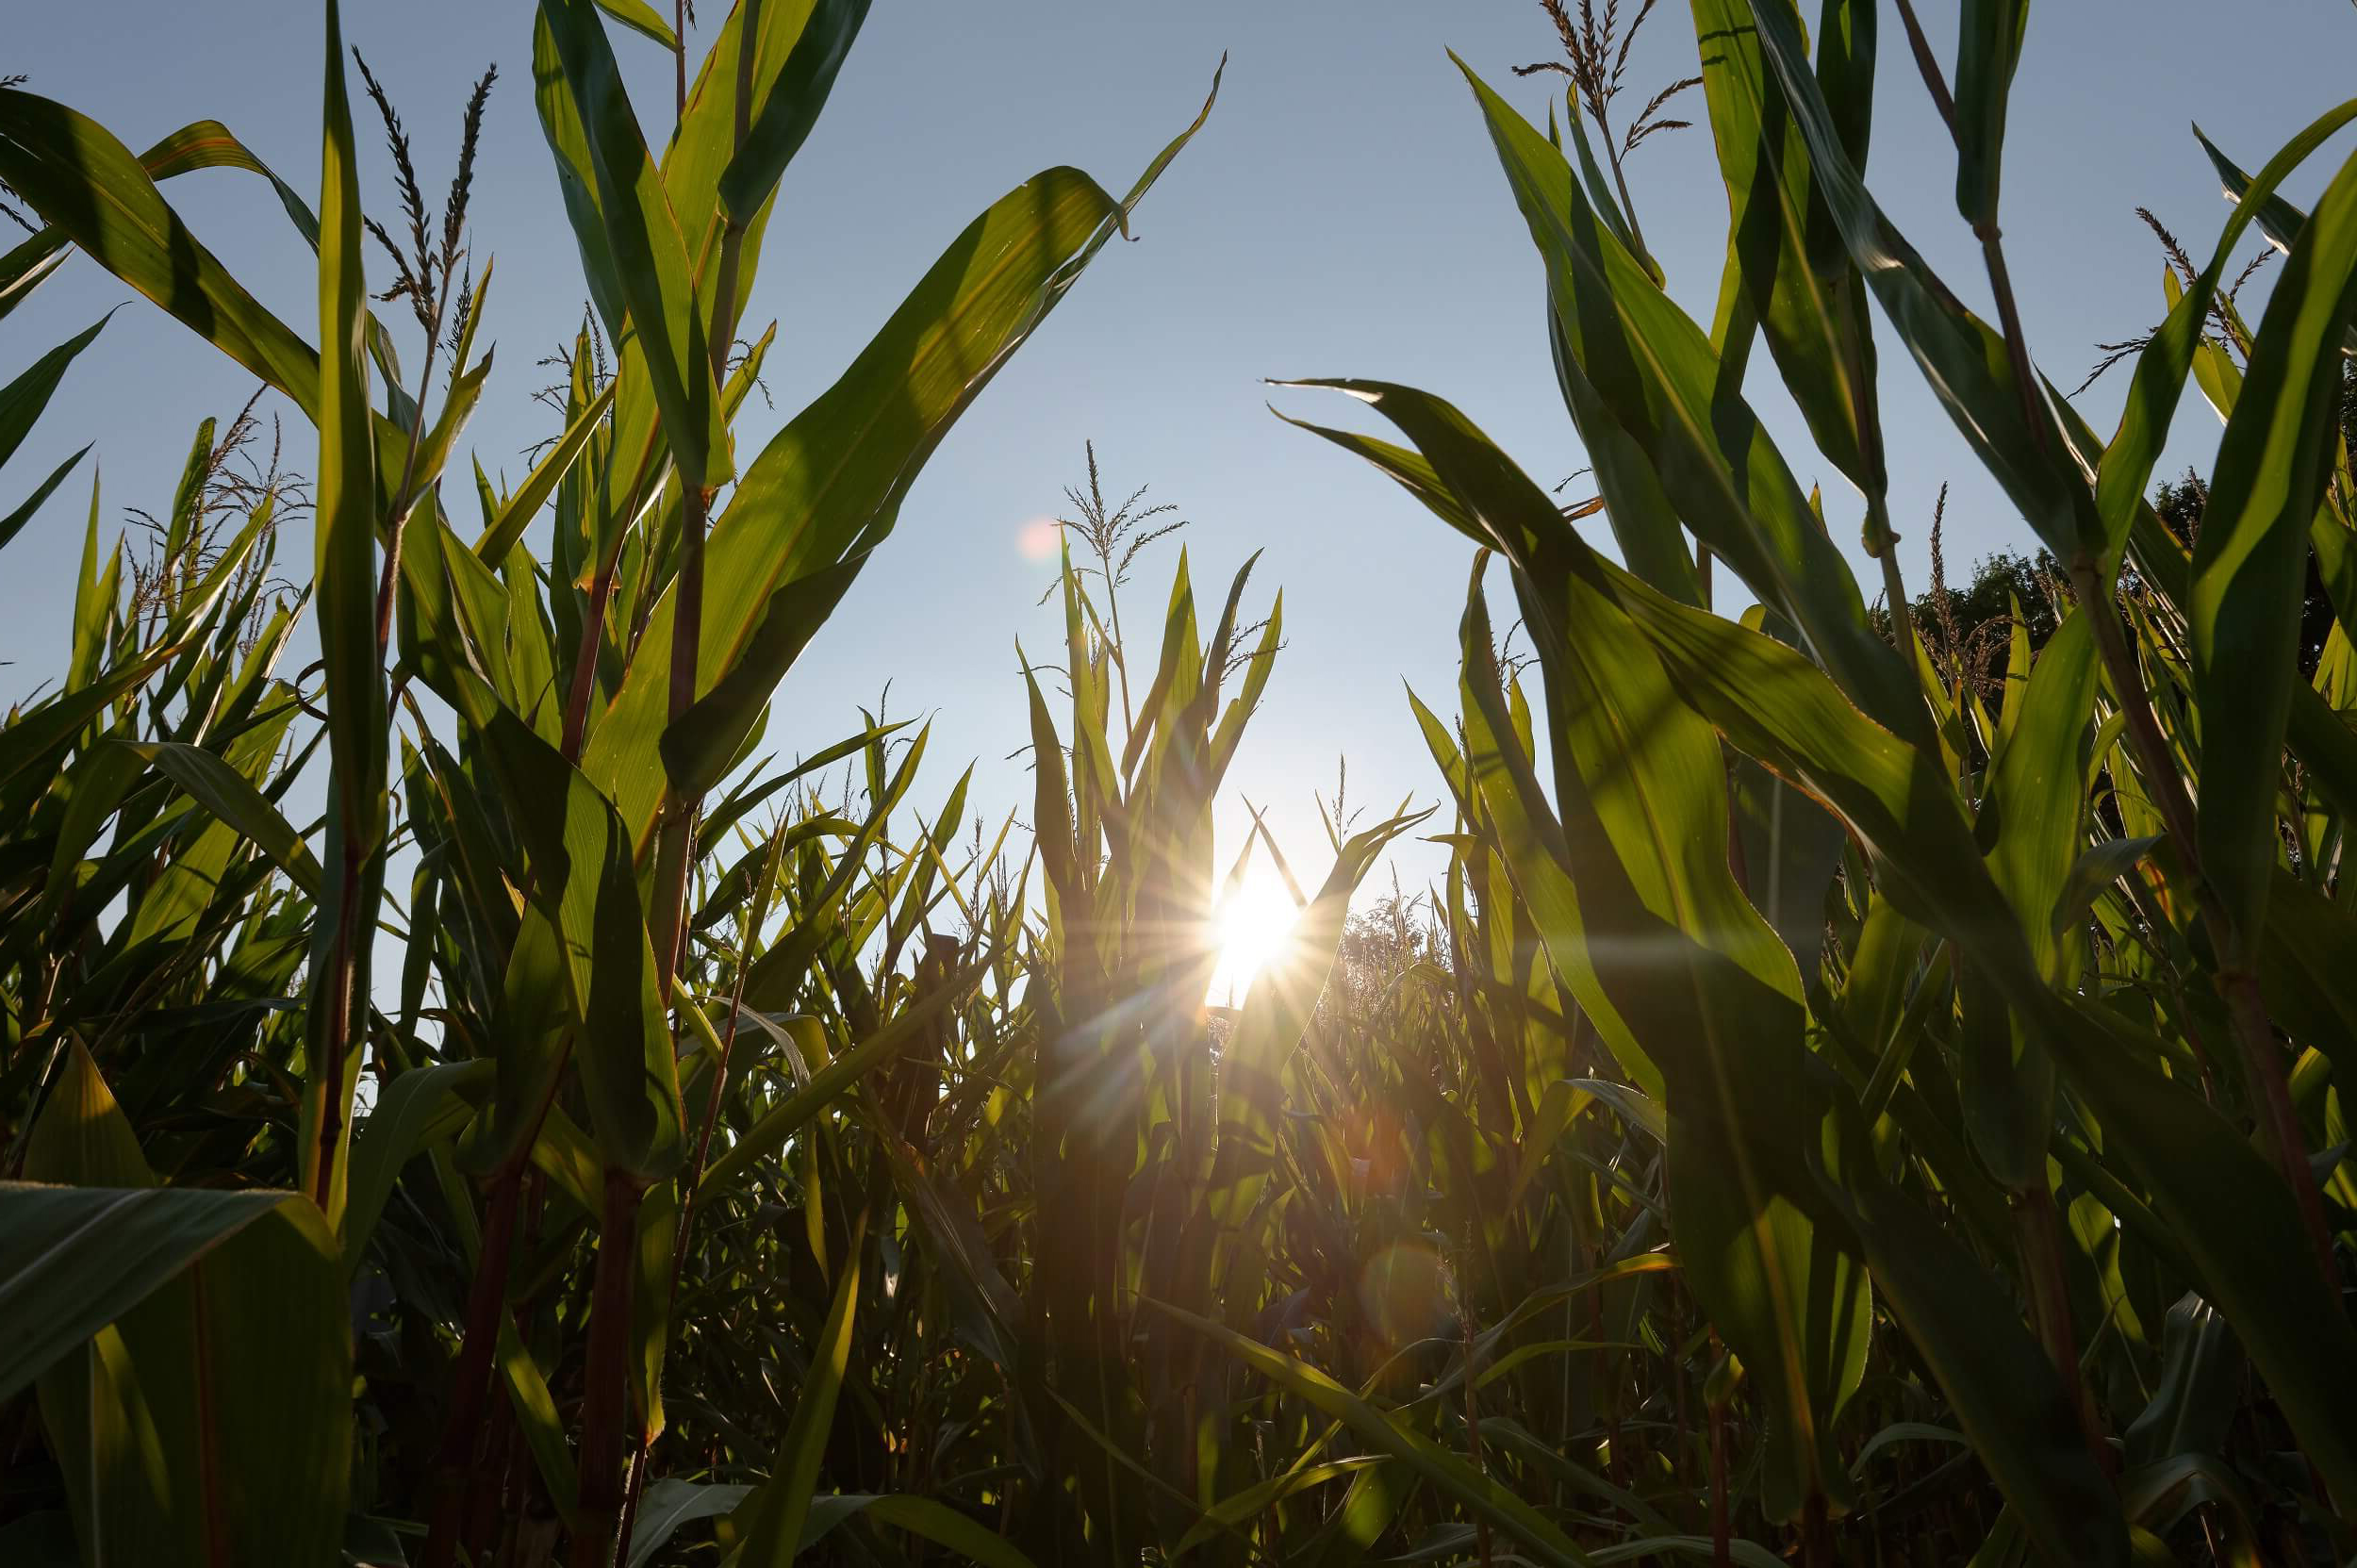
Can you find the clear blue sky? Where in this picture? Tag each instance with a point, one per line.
(1341, 215)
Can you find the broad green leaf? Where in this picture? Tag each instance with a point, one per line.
(1677, 953)
(95, 195)
(81, 1135)
(210, 144)
(190, 884)
(2010, 428)
(704, 142)
(826, 489)
(672, 1502)
(465, 387)
(1791, 850)
(237, 1371)
(1531, 844)
(1628, 1104)
(2277, 219)
(636, 241)
(921, 1517)
(1240, 1509)
(788, 106)
(96, 593)
(2308, 955)
(535, 1413)
(344, 549)
(226, 792)
(516, 512)
(1712, 994)
(418, 1107)
(1998, 1381)
(77, 1258)
(1989, 47)
(90, 190)
(220, 1346)
(2249, 562)
(200, 144)
(699, 744)
(344, 579)
(2096, 869)
(584, 886)
(1784, 247)
(640, 18)
(2035, 798)
(1654, 368)
(564, 1154)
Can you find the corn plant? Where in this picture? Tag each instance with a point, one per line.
(1934, 992)
(590, 698)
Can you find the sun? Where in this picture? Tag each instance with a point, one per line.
(1253, 928)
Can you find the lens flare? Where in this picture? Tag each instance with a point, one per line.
(1037, 538)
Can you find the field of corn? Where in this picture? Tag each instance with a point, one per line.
(1862, 1091)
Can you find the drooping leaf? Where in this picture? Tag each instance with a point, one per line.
(92, 190)
(232, 799)
(1656, 372)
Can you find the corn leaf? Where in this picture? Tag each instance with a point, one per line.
(772, 1520)
(827, 486)
(232, 799)
(2157, 386)
(635, 243)
(584, 886)
(1965, 361)
(1444, 1471)
(2232, 1211)
(79, 1257)
(1784, 247)
(23, 399)
(1989, 47)
(2250, 561)
(14, 522)
(90, 190)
